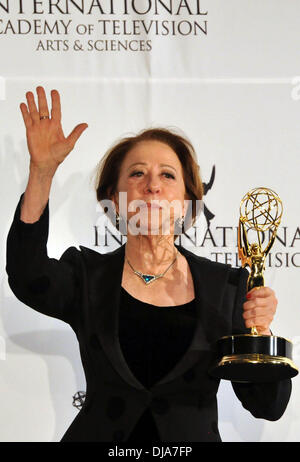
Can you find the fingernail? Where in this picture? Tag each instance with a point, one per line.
(248, 295)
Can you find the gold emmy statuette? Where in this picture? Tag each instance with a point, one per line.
(253, 357)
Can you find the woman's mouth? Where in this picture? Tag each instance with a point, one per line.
(152, 205)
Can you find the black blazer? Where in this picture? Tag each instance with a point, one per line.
(83, 288)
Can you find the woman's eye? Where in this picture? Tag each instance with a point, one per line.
(169, 175)
(135, 173)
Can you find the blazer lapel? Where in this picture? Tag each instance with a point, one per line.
(105, 289)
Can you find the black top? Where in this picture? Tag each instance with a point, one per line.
(149, 341)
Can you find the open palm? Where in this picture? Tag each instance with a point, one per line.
(46, 142)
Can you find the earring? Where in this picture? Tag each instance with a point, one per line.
(179, 222)
(121, 224)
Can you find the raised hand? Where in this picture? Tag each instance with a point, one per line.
(47, 144)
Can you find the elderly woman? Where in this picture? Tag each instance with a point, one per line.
(146, 315)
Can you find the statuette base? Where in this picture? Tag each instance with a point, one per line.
(254, 358)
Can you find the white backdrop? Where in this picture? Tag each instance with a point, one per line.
(226, 75)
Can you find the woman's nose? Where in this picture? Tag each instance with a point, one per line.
(152, 185)
(152, 189)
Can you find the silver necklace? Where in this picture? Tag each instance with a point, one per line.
(148, 278)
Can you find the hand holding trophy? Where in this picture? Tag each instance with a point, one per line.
(254, 357)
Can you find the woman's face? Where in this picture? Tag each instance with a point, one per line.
(151, 172)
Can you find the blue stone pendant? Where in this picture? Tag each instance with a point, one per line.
(148, 278)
